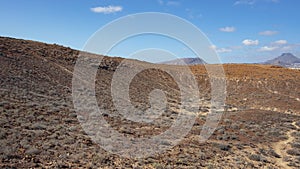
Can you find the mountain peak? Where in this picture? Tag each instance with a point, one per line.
(286, 54)
(285, 59)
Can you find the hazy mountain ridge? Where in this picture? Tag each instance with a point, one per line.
(185, 61)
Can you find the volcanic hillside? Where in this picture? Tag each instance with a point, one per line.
(39, 126)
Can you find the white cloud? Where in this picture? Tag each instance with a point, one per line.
(168, 3)
(252, 2)
(249, 42)
(267, 48)
(161, 2)
(214, 47)
(220, 50)
(268, 33)
(244, 2)
(107, 9)
(280, 42)
(193, 14)
(287, 48)
(224, 50)
(274, 1)
(173, 3)
(279, 45)
(228, 29)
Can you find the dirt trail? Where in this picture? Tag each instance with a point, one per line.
(281, 146)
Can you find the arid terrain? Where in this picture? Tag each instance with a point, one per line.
(39, 126)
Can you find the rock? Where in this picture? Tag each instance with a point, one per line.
(32, 151)
(38, 126)
(274, 154)
(224, 147)
(73, 115)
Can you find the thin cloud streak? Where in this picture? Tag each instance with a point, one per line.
(268, 33)
(228, 29)
(107, 9)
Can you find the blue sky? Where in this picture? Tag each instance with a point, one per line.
(240, 30)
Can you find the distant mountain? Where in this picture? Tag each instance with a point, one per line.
(285, 60)
(185, 61)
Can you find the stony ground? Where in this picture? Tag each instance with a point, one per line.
(40, 128)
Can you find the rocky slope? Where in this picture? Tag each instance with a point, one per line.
(39, 126)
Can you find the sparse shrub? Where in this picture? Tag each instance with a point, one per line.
(296, 145)
(257, 157)
(250, 165)
(298, 123)
(227, 121)
(276, 67)
(226, 137)
(297, 159)
(158, 165)
(296, 134)
(240, 146)
(202, 156)
(234, 137)
(235, 126)
(274, 133)
(258, 134)
(221, 131)
(283, 137)
(211, 166)
(243, 132)
(263, 151)
(220, 137)
(293, 152)
(293, 164)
